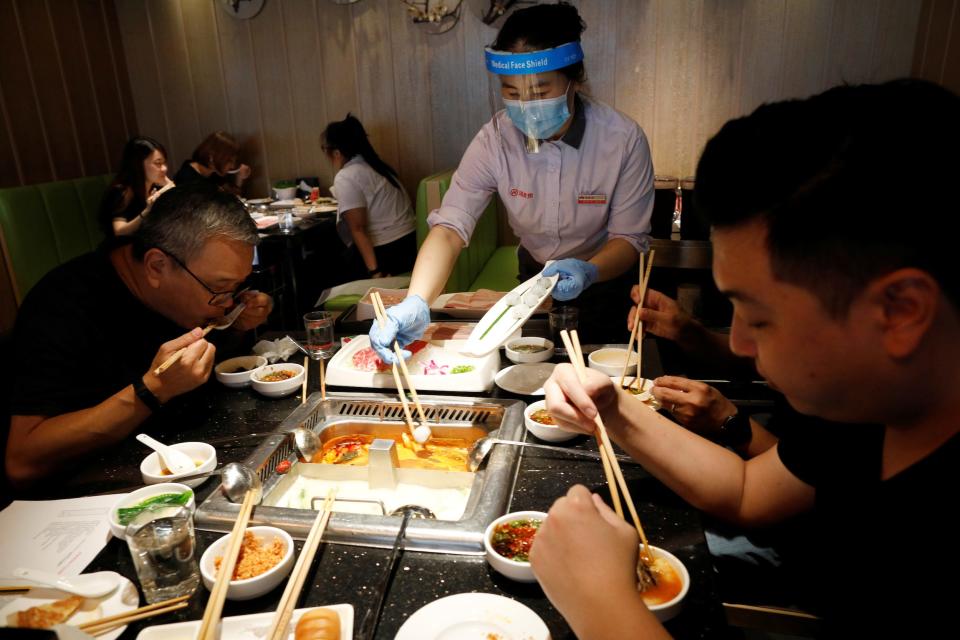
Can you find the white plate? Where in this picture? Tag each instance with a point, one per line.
(498, 324)
(474, 616)
(253, 626)
(124, 598)
(259, 200)
(525, 379)
(325, 208)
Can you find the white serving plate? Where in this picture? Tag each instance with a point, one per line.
(340, 371)
(123, 599)
(253, 626)
(474, 615)
(525, 379)
(498, 324)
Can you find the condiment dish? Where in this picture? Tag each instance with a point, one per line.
(257, 585)
(277, 388)
(548, 432)
(529, 349)
(236, 372)
(136, 497)
(202, 454)
(513, 569)
(670, 608)
(609, 360)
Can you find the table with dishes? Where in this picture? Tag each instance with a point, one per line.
(430, 595)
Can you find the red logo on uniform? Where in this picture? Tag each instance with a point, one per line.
(517, 193)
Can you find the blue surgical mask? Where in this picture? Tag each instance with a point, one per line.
(539, 119)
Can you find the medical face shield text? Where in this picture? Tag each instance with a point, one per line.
(538, 118)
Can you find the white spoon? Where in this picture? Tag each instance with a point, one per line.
(91, 585)
(176, 462)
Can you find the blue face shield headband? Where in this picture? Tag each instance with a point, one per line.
(538, 119)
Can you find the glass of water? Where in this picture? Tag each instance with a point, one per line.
(285, 219)
(319, 326)
(163, 546)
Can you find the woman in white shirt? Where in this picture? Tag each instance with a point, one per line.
(374, 216)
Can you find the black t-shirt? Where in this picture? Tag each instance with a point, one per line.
(112, 206)
(81, 336)
(188, 175)
(884, 555)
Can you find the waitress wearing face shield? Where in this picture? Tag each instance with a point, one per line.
(574, 175)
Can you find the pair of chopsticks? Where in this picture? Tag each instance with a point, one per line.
(224, 322)
(105, 625)
(637, 324)
(323, 381)
(381, 313)
(281, 619)
(211, 615)
(611, 466)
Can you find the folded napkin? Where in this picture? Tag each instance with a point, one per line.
(274, 350)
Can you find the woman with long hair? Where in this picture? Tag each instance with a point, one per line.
(374, 216)
(139, 182)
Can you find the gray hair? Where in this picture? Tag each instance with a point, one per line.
(184, 218)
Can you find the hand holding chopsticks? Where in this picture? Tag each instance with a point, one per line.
(422, 433)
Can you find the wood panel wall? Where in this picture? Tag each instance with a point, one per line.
(937, 53)
(679, 67)
(66, 107)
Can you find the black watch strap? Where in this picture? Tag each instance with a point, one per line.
(146, 396)
(735, 430)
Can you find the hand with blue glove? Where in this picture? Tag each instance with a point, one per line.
(575, 277)
(405, 323)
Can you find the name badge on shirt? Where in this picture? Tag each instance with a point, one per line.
(592, 198)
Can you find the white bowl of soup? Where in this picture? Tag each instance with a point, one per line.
(609, 360)
(204, 456)
(237, 372)
(277, 380)
(540, 423)
(130, 505)
(524, 350)
(665, 600)
(507, 542)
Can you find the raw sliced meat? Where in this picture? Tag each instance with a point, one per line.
(448, 331)
(366, 359)
(479, 300)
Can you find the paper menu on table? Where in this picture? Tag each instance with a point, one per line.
(60, 536)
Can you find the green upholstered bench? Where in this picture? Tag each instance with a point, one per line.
(481, 265)
(42, 226)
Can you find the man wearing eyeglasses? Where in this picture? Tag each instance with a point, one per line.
(91, 333)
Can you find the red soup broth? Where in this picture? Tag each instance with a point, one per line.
(669, 583)
(513, 539)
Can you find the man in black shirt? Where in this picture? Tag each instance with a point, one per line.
(90, 334)
(852, 310)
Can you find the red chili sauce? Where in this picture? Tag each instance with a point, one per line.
(514, 539)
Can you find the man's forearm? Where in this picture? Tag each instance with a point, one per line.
(38, 445)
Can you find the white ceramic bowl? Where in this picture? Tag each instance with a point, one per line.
(521, 357)
(513, 569)
(286, 193)
(609, 360)
(258, 585)
(645, 396)
(236, 372)
(548, 432)
(200, 452)
(667, 610)
(138, 496)
(281, 388)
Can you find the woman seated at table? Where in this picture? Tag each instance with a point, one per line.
(217, 161)
(374, 216)
(140, 181)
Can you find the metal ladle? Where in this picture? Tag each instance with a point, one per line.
(236, 480)
(368, 626)
(480, 449)
(307, 443)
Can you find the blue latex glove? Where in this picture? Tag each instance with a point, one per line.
(405, 323)
(575, 276)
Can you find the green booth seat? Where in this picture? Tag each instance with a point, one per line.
(481, 265)
(45, 225)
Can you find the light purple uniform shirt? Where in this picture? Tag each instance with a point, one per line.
(565, 201)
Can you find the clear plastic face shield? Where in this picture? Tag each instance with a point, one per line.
(537, 97)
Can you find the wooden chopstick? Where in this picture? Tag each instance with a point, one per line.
(278, 628)
(306, 375)
(323, 381)
(637, 324)
(378, 301)
(211, 615)
(120, 616)
(14, 589)
(172, 360)
(102, 626)
(605, 439)
(382, 320)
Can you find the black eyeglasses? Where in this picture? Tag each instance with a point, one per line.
(218, 298)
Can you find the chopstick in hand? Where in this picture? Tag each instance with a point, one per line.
(381, 314)
(637, 324)
(211, 615)
(281, 619)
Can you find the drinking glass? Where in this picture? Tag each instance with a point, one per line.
(286, 221)
(163, 546)
(319, 326)
(561, 318)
